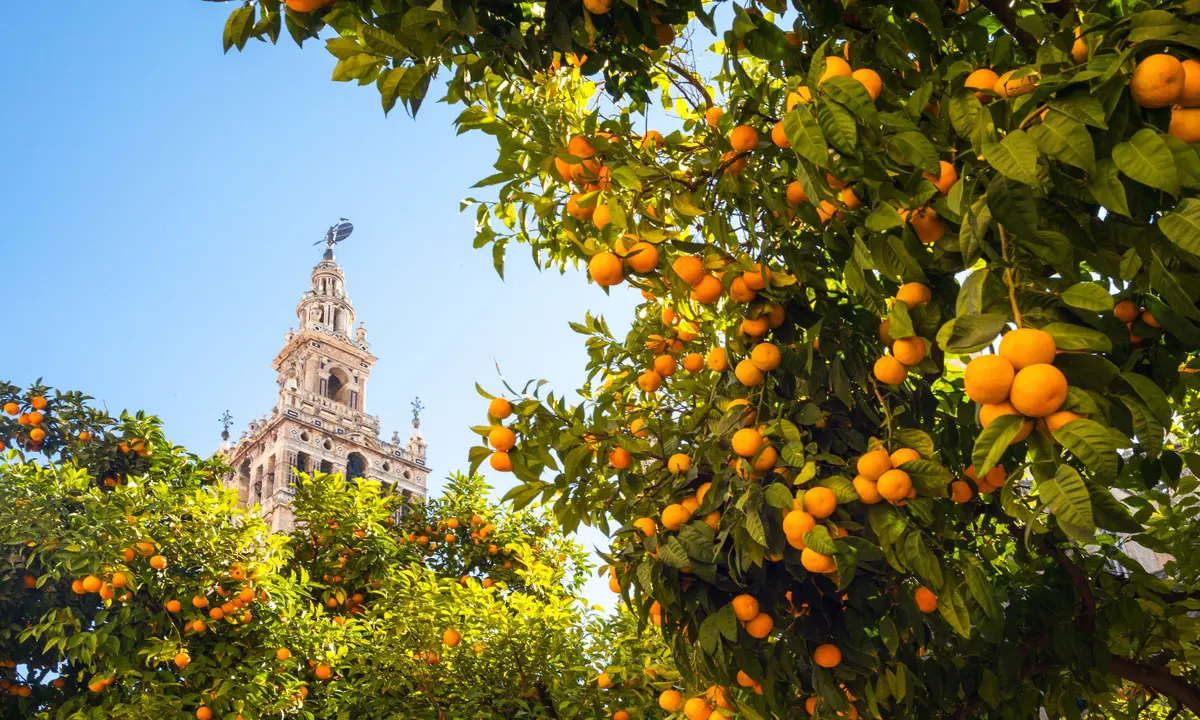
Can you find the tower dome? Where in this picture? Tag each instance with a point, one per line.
(325, 307)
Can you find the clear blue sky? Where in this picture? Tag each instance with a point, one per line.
(161, 201)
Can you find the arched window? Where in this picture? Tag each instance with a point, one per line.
(356, 466)
(336, 389)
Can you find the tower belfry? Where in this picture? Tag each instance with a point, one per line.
(319, 422)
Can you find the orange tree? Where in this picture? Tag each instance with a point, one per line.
(155, 595)
(918, 342)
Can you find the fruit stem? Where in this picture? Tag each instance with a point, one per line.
(887, 414)
(1009, 278)
(1029, 118)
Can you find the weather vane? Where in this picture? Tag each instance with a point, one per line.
(226, 421)
(336, 233)
(417, 408)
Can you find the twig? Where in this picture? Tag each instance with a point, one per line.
(887, 414)
(1009, 278)
(1004, 13)
(692, 79)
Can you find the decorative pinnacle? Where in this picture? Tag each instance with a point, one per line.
(417, 407)
(226, 421)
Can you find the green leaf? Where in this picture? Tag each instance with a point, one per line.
(1067, 497)
(922, 560)
(929, 477)
(853, 94)
(1151, 393)
(1076, 337)
(672, 553)
(779, 496)
(1016, 157)
(888, 634)
(918, 440)
(993, 441)
(883, 217)
(954, 611)
(1067, 140)
(1013, 206)
(989, 688)
(981, 589)
(1147, 427)
(805, 136)
(971, 119)
(1105, 186)
(842, 488)
(1153, 25)
(971, 333)
(1089, 296)
(818, 539)
(901, 323)
(916, 149)
(1110, 513)
(839, 126)
(1182, 226)
(1146, 158)
(381, 42)
(1091, 443)
(1168, 286)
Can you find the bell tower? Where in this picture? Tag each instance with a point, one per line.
(319, 422)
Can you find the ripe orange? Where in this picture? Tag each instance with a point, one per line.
(675, 516)
(38, 402)
(619, 458)
(91, 583)
(653, 139)
(820, 502)
(800, 96)
(870, 80)
(795, 193)
(927, 602)
(282, 654)
(796, 523)
(158, 562)
(502, 438)
(577, 211)
(1190, 97)
(894, 485)
(693, 362)
(499, 408)
(649, 381)
(1027, 346)
(849, 199)
(665, 365)
(1127, 311)
(983, 79)
(827, 655)
(119, 580)
(716, 695)
(816, 562)
(745, 607)
(308, 5)
(643, 257)
(765, 356)
(717, 360)
(580, 147)
(867, 489)
(826, 210)
(712, 116)
(743, 139)
(707, 291)
(989, 412)
(779, 137)
(216, 613)
(1038, 390)
(1148, 318)
(960, 492)
(182, 659)
(988, 379)
(1055, 420)
(945, 179)
(697, 708)
(734, 166)
(679, 463)
(621, 715)
(323, 672)
(746, 442)
(874, 464)
(890, 371)
(1185, 124)
(500, 461)
(904, 455)
(909, 350)
(748, 373)
(672, 700)
(451, 638)
(37, 435)
(927, 225)
(646, 526)
(913, 294)
(739, 292)
(1157, 81)
(12, 408)
(1079, 50)
(174, 606)
(760, 626)
(835, 67)
(1008, 86)
(605, 269)
(765, 459)
(754, 327)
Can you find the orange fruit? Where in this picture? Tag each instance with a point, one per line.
(746, 442)
(646, 526)
(1079, 50)
(92, 584)
(203, 713)
(1158, 81)
(605, 269)
(798, 522)
(870, 80)
(766, 459)
(716, 695)
(867, 489)
(779, 137)
(795, 193)
(717, 360)
(502, 438)
(890, 371)
(743, 139)
(12, 408)
(652, 139)
(982, 80)
(499, 408)
(173, 606)
(734, 166)
(1008, 86)
(827, 655)
(119, 580)
(323, 672)
(283, 654)
(38, 402)
(619, 458)
(820, 502)
(800, 96)
(577, 211)
(960, 492)
(708, 290)
(927, 225)
(1148, 318)
(450, 638)
(909, 350)
(580, 147)
(849, 199)
(693, 362)
(760, 626)
(927, 602)
(826, 210)
(697, 708)
(988, 379)
(665, 365)
(182, 659)
(1055, 420)
(1027, 346)
(678, 463)
(1127, 311)
(816, 562)
(765, 356)
(894, 485)
(671, 700)
(913, 294)
(621, 715)
(945, 179)
(649, 381)
(1038, 390)
(1190, 97)
(712, 116)
(739, 292)
(904, 455)
(835, 67)
(158, 562)
(748, 373)
(500, 461)
(643, 257)
(308, 5)
(989, 412)
(874, 464)
(1185, 124)
(745, 607)
(675, 516)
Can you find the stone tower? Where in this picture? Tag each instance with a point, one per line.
(319, 422)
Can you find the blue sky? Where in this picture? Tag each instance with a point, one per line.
(161, 201)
